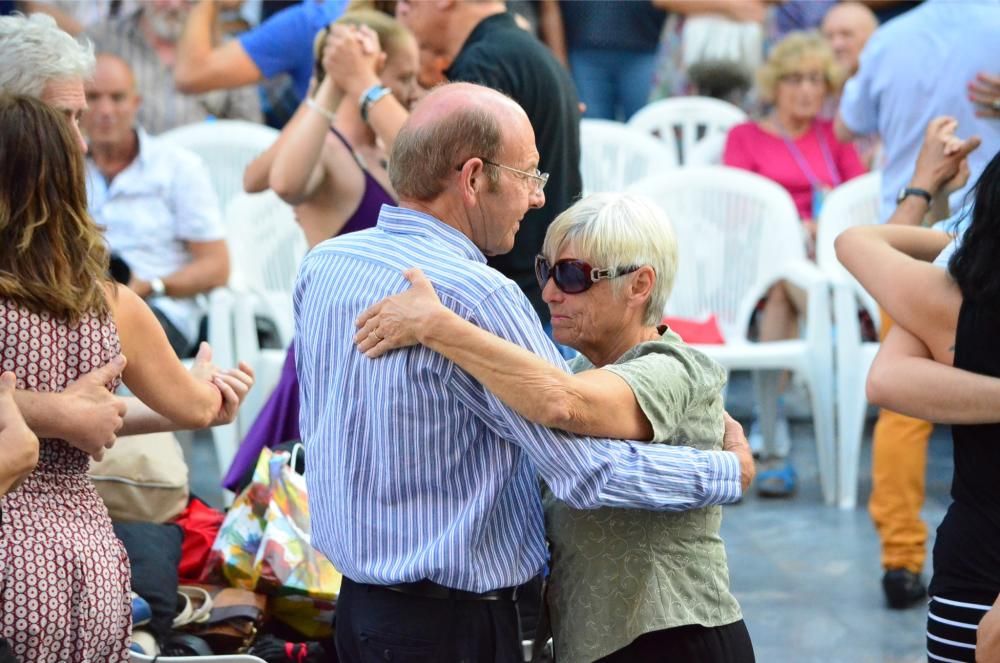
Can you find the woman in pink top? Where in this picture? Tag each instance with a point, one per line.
(797, 149)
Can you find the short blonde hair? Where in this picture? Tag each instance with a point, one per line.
(788, 54)
(616, 230)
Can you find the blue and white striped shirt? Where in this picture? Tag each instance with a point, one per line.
(415, 470)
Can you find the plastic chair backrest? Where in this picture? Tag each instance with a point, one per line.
(226, 147)
(708, 151)
(614, 156)
(266, 246)
(853, 203)
(681, 122)
(735, 230)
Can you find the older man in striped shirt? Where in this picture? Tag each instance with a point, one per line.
(424, 486)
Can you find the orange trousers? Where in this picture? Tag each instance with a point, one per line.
(899, 468)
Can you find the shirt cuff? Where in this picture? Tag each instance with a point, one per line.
(724, 478)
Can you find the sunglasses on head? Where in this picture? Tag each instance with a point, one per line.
(574, 276)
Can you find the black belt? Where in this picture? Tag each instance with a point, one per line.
(431, 590)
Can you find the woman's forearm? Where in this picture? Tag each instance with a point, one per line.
(296, 170)
(531, 386)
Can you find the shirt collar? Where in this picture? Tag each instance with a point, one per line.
(144, 148)
(404, 221)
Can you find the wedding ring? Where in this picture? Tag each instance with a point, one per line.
(376, 335)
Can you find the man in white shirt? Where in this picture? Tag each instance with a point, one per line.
(157, 205)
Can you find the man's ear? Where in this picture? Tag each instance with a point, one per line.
(472, 181)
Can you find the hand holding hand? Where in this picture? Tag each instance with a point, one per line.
(940, 162)
(352, 57)
(735, 441)
(92, 414)
(203, 368)
(984, 91)
(18, 444)
(395, 322)
(234, 384)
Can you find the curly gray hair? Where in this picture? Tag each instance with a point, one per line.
(34, 51)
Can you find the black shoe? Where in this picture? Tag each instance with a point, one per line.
(903, 588)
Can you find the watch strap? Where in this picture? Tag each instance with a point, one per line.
(915, 191)
(369, 97)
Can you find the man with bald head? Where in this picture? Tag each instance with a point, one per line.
(847, 27)
(423, 488)
(156, 202)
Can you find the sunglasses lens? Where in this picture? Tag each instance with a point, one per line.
(571, 277)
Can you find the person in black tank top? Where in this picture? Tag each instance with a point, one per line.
(950, 316)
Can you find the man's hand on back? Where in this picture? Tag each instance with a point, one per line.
(18, 444)
(92, 414)
(736, 442)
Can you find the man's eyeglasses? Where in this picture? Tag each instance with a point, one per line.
(574, 276)
(538, 176)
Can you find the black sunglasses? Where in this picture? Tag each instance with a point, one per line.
(574, 276)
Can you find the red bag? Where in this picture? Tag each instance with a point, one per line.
(200, 524)
(701, 332)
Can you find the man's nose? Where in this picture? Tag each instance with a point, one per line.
(537, 199)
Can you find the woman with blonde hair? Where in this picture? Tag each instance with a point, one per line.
(794, 146)
(329, 162)
(64, 577)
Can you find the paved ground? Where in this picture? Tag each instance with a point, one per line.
(806, 575)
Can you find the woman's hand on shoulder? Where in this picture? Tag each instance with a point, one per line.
(398, 321)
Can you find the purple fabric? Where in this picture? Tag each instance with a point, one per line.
(372, 200)
(279, 420)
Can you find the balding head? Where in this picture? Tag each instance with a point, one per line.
(112, 103)
(847, 27)
(449, 126)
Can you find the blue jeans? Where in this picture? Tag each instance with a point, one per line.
(612, 84)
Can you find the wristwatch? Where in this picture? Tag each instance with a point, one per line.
(913, 191)
(157, 287)
(369, 97)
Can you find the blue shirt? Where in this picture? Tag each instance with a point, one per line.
(283, 44)
(916, 67)
(415, 470)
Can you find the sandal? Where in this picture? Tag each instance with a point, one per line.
(777, 481)
(196, 606)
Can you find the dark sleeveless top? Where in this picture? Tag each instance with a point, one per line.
(967, 549)
(372, 199)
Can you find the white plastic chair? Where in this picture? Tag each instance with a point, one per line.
(851, 204)
(266, 244)
(681, 122)
(708, 151)
(135, 657)
(738, 233)
(614, 156)
(226, 147)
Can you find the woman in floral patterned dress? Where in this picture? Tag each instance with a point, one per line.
(64, 577)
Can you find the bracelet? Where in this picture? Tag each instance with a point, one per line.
(369, 97)
(311, 103)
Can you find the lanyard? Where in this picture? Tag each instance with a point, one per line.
(803, 164)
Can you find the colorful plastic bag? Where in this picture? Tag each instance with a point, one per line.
(265, 545)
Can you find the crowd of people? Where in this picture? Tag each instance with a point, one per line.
(467, 481)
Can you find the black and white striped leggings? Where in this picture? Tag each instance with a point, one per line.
(951, 629)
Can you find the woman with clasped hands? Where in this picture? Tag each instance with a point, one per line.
(626, 584)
